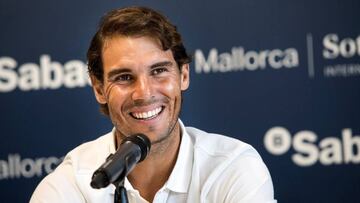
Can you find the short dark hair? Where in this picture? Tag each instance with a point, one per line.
(134, 22)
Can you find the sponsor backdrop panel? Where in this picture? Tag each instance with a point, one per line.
(282, 76)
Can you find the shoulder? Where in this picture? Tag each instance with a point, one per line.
(69, 182)
(90, 155)
(214, 144)
(214, 154)
(230, 168)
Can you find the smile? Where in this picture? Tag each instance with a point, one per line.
(147, 115)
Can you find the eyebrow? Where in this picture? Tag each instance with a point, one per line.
(127, 70)
(162, 63)
(118, 71)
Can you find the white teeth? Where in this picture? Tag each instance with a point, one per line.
(146, 115)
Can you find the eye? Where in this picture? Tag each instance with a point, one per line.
(123, 78)
(158, 71)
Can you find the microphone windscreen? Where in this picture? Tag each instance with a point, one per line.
(142, 141)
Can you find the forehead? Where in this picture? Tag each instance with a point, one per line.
(133, 51)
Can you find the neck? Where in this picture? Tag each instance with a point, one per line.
(152, 173)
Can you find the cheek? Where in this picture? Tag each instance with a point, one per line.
(170, 88)
(115, 97)
(109, 90)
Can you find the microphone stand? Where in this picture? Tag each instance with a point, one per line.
(120, 192)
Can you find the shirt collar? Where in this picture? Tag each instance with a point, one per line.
(112, 145)
(180, 176)
(112, 150)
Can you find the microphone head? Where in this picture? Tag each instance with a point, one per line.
(142, 141)
(99, 180)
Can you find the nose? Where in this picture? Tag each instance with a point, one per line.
(142, 89)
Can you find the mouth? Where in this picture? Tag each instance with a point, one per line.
(147, 115)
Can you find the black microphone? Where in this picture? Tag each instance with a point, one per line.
(132, 150)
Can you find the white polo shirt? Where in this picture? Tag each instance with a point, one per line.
(209, 168)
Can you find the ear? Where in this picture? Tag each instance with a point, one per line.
(98, 90)
(185, 77)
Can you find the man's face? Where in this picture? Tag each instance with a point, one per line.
(142, 87)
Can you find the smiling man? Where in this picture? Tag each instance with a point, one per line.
(139, 67)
